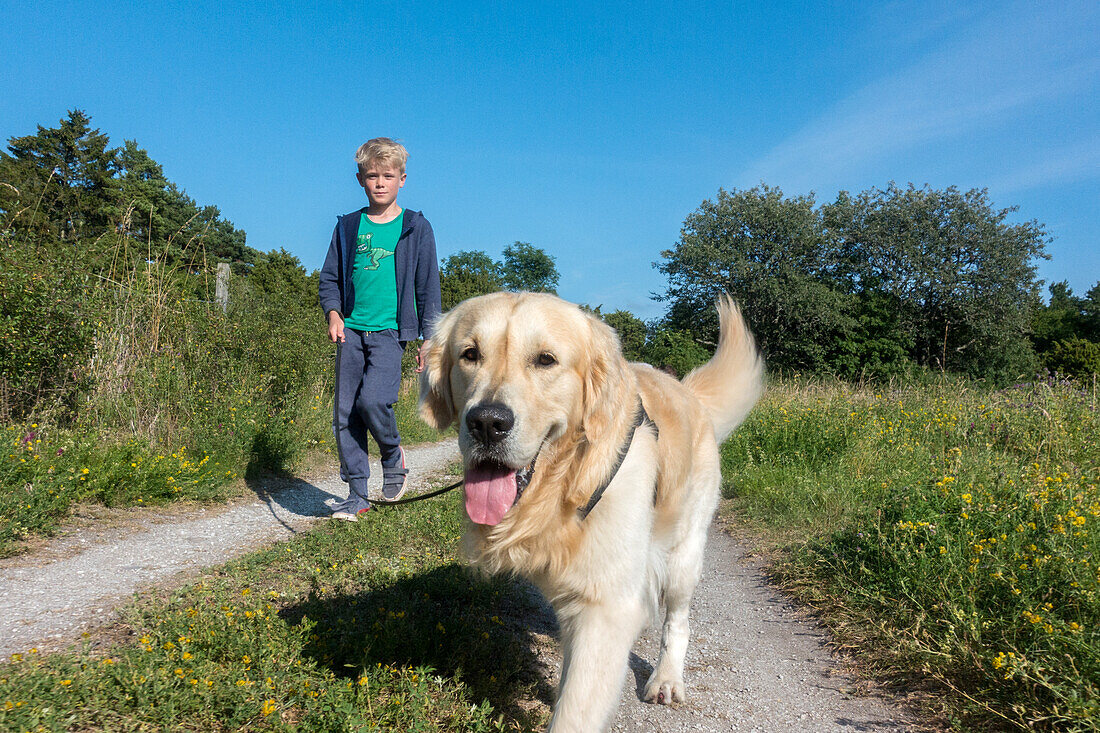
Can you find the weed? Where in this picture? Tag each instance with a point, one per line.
(963, 522)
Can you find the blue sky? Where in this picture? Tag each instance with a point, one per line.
(591, 129)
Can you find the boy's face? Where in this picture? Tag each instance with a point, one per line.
(381, 182)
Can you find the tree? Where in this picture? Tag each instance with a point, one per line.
(1090, 314)
(73, 197)
(166, 223)
(527, 267)
(47, 338)
(280, 275)
(877, 347)
(1074, 357)
(771, 254)
(964, 278)
(59, 184)
(1061, 318)
(467, 274)
(632, 333)
(674, 350)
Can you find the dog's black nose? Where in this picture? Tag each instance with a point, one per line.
(490, 423)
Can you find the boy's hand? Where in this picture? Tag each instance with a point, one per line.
(420, 356)
(335, 327)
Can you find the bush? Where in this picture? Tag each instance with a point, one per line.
(47, 341)
(244, 391)
(1074, 357)
(675, 350)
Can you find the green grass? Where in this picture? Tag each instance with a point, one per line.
(45, 471)
(952, 527)
(365, 626)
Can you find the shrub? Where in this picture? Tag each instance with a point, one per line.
(47, 340)
(675, 350)
(1074, 357)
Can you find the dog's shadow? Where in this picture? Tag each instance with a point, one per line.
(459, 625)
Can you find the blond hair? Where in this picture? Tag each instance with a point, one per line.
(384, 151)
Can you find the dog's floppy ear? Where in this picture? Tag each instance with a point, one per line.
(437, 406)
(603, 379)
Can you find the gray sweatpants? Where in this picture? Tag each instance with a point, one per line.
(368, 376)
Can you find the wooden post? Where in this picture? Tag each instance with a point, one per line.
(221, 289)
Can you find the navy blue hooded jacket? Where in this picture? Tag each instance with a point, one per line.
(418, 299)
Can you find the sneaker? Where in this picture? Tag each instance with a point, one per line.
(350, 516)
(394, 479)
(350, 509)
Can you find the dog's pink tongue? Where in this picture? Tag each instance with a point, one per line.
(489, 494)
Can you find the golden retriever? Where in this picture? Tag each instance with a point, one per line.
(593, 477)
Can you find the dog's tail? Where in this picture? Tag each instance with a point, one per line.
(732, 381)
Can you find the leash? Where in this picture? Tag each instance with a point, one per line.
(641, 418)
(418, 497)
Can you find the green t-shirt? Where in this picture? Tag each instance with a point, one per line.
(374, 278)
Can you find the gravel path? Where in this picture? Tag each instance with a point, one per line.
(753, 663)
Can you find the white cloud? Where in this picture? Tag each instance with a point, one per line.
(1000, 66)
(1068, 164)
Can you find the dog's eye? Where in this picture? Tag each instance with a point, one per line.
(546, 359)
(471, 354)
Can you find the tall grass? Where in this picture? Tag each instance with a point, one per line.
(169, 397)
(957, 526)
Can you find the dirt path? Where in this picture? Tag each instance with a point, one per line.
(753, 664)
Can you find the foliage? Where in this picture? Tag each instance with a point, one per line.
(46, 334)
(953, 527)
(468, 274)
(1066, 316)
(877, 347)
(471, 273)
(631, 330)
(1059, 319)
(167, 222)
(1090, 314)
(110, 329)
(529, 268)
(866, 286)
(69, 196)
(770, 252)
(370, 626)
(59, 185)
(281, 277)
(964, 277)
(674, 350)
(1074, 357)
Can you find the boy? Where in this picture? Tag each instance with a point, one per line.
(379, 289)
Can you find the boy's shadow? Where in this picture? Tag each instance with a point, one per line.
(289, 498)
(485, 633)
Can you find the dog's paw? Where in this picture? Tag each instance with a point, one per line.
(664, 690)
